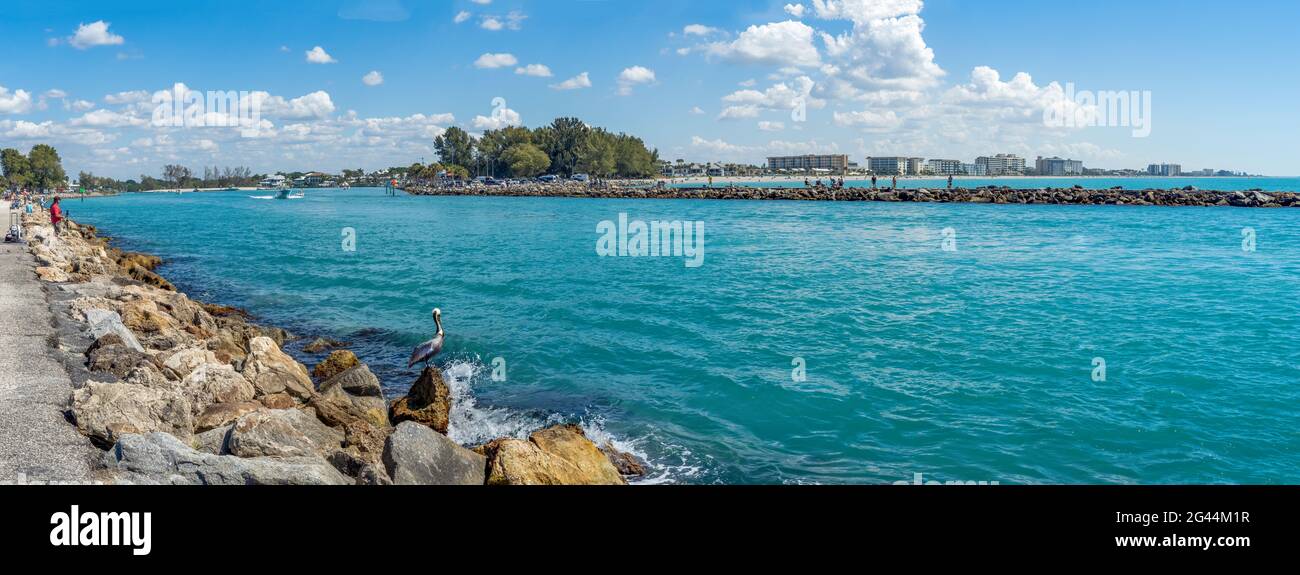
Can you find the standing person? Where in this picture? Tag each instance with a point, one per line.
(873, 182)
(894, 184)
(56, 217)
(950, 181)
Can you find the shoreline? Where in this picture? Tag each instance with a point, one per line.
(982, 195)
(177, 391)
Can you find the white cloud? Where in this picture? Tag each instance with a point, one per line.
(535, 70)
(578, 82)
(79, 105)
(318, 55)
(869, 120)
(374, 78)
(500, 118)
(462, 16)
(19, 102)
(796, 10)
(699, 30)
(767, 126)
(492, 61)
(632, 77)
(130, 97)
(698, 111)
(743, 112)
(94, 34)
(511, 21)
(788, 43)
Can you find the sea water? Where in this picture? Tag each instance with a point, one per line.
(817, 343)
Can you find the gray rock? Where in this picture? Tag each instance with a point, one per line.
(105, 411)
(417, 455)
(283, 433)
(213, 441)
(159, 458)
(358, 381)
(103, 322)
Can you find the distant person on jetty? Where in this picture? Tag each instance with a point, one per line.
(56, 217)
(894, 184)
(950, 182)
(873, 182)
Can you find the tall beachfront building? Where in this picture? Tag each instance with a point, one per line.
(896, 166)
(828, 162)
(1165, 170)
(946, 167)
(1058, 167)
(1002, 165)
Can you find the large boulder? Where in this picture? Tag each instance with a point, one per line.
(273, 371)
(337, 362)
(159, 458)
(282, 433)
(109, 354)
(184, 361)
(106, 411)
(417, 455)
(221, 414)
(102, 322)
(428, 403)
(362, 436)
(560, 455)
(216, 383)
(359, 381)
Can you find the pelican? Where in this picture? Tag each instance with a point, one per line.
(428, 349)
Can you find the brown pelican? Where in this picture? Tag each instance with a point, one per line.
(428, 349)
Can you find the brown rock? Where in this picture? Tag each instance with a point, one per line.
(322, 343)
(337, 362)
(626, 463)
(560, 455)
(220, 414)
(273, 371)
(427, 403)
(280, 400)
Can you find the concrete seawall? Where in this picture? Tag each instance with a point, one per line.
(36, 442)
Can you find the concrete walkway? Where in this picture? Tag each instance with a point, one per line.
(35, 438)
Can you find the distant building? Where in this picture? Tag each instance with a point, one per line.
(974, 170)
(1058, 167)
(1165, 170)
(896, 166)
(1002, 165)
(946, 167)
(824, 162)
(272, 181)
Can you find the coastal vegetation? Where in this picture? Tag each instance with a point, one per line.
(40, 169)
(565, 147)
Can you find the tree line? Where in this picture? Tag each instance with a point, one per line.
(40, 169)
(565, 147)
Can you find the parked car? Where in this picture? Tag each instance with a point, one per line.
(581, 178)
(548, 178)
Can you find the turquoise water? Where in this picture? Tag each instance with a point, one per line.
(1222, 184)
(971, 365)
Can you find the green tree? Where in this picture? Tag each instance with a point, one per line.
(17, 170)
(597, 156)
(455, 146)
(526, 160)
(494, 143)
(563, 141)
(46, 168)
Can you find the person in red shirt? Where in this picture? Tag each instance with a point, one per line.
(56, 216)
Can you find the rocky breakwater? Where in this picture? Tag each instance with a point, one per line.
(181, 392)
(982, 195)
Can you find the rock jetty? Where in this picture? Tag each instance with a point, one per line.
(982, 195)
(176, 391)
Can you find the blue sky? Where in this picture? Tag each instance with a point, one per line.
(704, 81)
